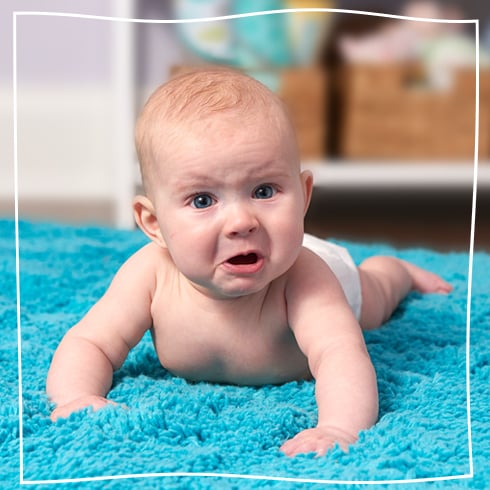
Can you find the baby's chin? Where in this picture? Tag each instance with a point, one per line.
(234, 293)
(240, 289)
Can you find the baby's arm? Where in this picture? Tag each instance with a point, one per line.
(82, 367)
(329, 335)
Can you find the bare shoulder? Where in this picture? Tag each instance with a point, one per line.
(313, 294)
(149, 254)
(148, 257)
(143, 269)
(124, 310)
(310, 273)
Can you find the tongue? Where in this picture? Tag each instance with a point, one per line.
(243, 259)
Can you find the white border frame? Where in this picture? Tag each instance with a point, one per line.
(227, 475)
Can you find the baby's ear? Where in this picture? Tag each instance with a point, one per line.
(307, 181)
(145, 216)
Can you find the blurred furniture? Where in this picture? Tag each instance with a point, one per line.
(392, 112)
(304, 91)
(124, 69)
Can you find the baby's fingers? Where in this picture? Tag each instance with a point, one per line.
(318, 440)
(307, 441)
(94, 401)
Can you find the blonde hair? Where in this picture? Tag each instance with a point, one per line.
(192, 96)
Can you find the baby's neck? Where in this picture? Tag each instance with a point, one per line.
(209, 299)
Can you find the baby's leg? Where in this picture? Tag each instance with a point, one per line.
(385, 281)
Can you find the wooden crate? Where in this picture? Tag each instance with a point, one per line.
(304, 91)
(388, 113)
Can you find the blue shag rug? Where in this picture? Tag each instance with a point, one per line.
(173, 426)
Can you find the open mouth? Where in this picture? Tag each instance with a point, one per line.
(247, 259)
(247, 263)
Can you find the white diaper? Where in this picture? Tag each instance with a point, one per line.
(342, 265)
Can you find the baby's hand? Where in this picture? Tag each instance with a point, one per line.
(94, 401)
(317, 440)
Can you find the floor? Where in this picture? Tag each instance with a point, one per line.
(403, 218)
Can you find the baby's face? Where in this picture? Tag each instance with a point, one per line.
(230, 206)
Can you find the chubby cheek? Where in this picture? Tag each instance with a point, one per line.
(287, 236)
(191, 245)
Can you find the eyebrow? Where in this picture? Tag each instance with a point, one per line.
(191, 182)
(197, 180)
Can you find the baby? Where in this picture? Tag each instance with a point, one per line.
(230, 288)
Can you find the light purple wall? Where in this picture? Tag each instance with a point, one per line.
(76, 50)
(63, 49)
(48, 47)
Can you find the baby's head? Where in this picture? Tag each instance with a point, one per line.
(225, 194)
(201, 101)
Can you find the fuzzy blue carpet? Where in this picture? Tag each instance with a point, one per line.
(175, 426)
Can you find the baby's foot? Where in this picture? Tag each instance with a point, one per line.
(425, 281)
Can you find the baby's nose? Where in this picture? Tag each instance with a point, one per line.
(241, 221)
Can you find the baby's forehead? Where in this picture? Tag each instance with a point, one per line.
(228, 124)
(204, 93)
(208, 103)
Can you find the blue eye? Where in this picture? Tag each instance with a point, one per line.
(264, 191)
(202, 201)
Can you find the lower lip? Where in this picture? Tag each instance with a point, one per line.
(244, 268)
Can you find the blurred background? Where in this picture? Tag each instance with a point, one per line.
(384, 108)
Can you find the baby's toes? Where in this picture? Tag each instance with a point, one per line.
(425, 281)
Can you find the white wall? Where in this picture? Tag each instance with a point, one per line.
(65, 146)
(68, 110)
(64, 103)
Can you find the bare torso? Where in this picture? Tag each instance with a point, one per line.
(242, 341)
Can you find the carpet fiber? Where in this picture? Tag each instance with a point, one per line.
(171, 425)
